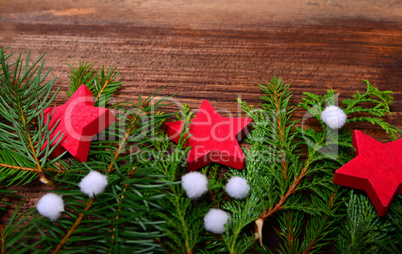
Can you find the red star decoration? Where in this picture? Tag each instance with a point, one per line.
(377, 169)
(214, 138)
(80, 121)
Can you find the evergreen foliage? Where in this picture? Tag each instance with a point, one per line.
(120, 220)
(289, 167)
(184, 225)
(23, 97)
(102, 85)
(363, 230)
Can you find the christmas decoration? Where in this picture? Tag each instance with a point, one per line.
(93, 184)
(334, 117)
(79, 121)
(214, 138)
(288, 166)
(195, 184)
(237, 187)
(215, 221)
(51, 206)
(377, 169)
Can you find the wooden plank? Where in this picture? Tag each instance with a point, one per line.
(219, 52)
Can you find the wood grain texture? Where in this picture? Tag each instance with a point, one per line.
(215, 51)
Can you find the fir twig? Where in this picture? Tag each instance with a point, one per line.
(102, 84)
(362, 231)
(74, 227)
(287, 186)
(130, 129)
(133, 128)
(80, 76)
(122, 196)
(17, 235)
(183, 227)
(102, 89)
(109, 170)
(368, 107)
(288, 168)
(41, 174)
(22, 101)
(18, 168)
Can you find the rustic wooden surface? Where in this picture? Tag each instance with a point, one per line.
(215, 51)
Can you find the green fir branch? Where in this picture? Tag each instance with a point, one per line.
(363, 230)
(291, 169)
(144, 208)
(16, 236)
(82, 75)
(124, 218)
(16, 169)
(368, 107)
(393, 237)
(102, 84)
(379, 100)
(183, 222)
(242, 214)
(24, 97)
(373, 102)
(125, 210)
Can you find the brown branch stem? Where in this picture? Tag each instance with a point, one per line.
(26, 169)
(103, 88)
(188, 251)
(3, 236)
(292, 189)
(90, 202)
(314, 241)
(41, 174)
(282, 138)
(121, 202)
(75, 225)
(117, 154)
(17, 167)
(124, 140)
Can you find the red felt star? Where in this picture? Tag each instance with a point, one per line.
(214, 138)
(377, 169)
(80, 121)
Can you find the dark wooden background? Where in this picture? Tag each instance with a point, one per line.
(215, 50)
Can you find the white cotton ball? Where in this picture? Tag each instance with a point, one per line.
(195, 184)
(93, 184)
(215, 221)
(334, 117)
(237, 187)
(50, 205)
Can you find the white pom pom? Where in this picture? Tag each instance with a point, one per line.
(215, 221)
(50, 205)
(334, 117)
(237, 187)
(93, 184)
(195, 184)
